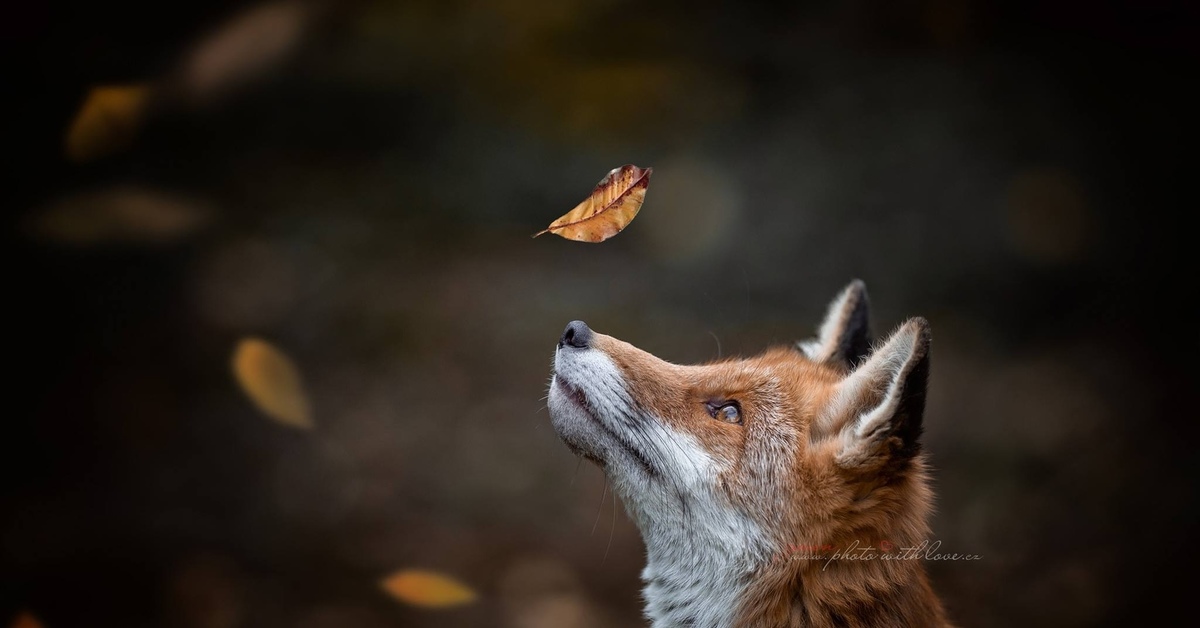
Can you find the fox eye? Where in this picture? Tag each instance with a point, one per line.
(727, 411)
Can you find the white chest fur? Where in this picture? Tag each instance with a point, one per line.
(700, 559)
(704, 596)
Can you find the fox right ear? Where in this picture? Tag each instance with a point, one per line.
(844, 337)
(885, 398)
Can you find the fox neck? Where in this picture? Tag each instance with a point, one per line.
(859, 570)
(708, 566)
(828, 593)
(691, 581)
(700, 561)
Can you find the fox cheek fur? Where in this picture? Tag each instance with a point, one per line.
(723, 466)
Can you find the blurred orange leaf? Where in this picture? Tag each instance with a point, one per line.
(272, 382)
(427, 588)
(121, 213)
(612, 205)
(107, 121)
(26, 620)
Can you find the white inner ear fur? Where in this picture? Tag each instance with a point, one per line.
(829, 334)
(881, 375)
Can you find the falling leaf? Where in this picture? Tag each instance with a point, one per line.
(245, 47)
(427, 588)
(26, 620)
(612, 205)
(107, 121)
(272, 382)
(119, 214)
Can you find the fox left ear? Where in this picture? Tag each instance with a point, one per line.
(885, 398)
(844, 337)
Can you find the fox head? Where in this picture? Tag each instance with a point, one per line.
(723, 464)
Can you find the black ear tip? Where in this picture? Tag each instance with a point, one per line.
(854, 342)
(916, 386)
(855, 296)
(923, 329)
(856, 292)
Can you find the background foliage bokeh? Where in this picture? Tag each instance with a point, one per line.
(356, 182)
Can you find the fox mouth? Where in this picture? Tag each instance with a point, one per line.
(573, 393)
(580, 400)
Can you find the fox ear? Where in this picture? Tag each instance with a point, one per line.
(885, 399)
(844, 336)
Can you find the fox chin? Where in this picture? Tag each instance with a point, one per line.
(749, 478)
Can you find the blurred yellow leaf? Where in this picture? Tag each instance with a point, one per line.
(612, 205)
(427, 588)
(122, 213)
(26, 620)
(272, 382)
(107, 121)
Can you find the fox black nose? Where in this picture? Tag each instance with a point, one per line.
(576, 335)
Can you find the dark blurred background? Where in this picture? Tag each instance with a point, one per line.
(356, 183)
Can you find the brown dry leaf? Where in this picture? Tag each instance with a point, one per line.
(26, 620)
(272, 382)
(107, 121)
(612, 205)
(428, 589)
(244, 48)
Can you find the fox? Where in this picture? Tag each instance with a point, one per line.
(754, 482)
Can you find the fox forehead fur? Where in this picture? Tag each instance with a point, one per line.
(723, 466)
